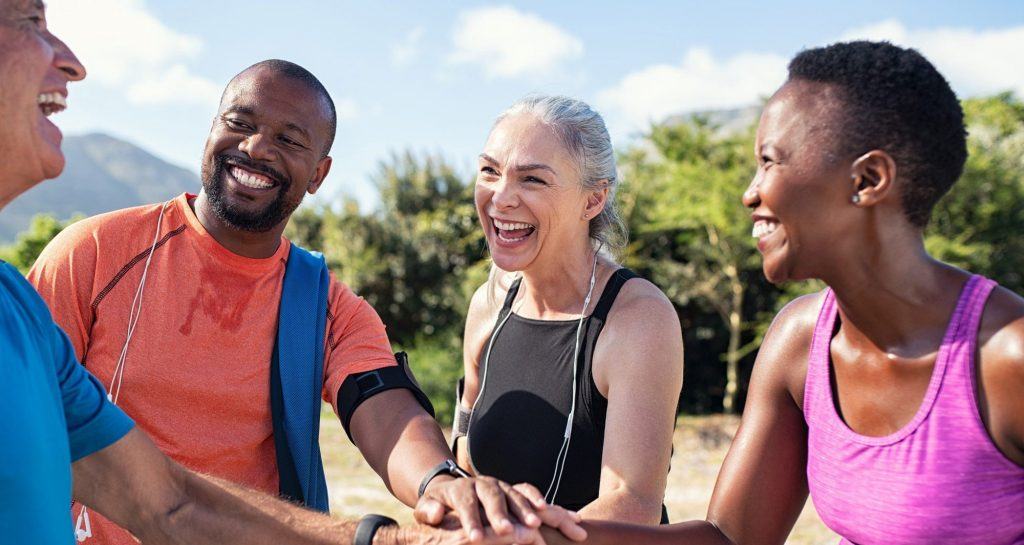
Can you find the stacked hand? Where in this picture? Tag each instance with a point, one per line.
(513, 513)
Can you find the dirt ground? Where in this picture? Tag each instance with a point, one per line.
(700, 446)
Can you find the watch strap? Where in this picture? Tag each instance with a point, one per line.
(368, 526)
(447, 467)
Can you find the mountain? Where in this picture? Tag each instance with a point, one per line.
(102, 174)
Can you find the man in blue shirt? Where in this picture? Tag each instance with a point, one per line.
(55, 419)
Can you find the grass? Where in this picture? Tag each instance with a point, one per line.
(700, 447)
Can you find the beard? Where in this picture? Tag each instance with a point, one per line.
(241, 218)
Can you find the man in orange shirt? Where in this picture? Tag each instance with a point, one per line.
(174, 306)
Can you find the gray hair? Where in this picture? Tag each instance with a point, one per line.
(583, 132)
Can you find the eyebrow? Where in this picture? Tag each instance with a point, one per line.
(530, 166)
(235, 109)
(298, 129)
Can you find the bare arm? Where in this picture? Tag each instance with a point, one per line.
(136, 486)
(762, 485)
(639, 368)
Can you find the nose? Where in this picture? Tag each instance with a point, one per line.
(257, 147)
(751, 197)
(505, 196)
(65, 60)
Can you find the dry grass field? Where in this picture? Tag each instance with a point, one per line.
(700, 447)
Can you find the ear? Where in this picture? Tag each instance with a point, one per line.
(596, 201)
(873, 176)
(322, 168)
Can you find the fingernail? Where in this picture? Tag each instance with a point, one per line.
(476, 535)
(532, 520)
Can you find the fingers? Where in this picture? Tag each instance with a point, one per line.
(492, 498)
(533, 494)
(522, 507)
(429, 511)
(462, 500)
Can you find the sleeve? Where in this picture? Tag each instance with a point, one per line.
(64, 276)
(356, 341)
(93, 422)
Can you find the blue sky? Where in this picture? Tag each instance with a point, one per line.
(431, 76)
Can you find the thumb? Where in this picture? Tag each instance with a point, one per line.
(429, 512)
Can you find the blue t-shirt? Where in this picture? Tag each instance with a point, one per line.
(52, 412)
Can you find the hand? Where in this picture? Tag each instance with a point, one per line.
(463, 499)
(427, 535)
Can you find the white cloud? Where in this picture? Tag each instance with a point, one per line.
(975, 62)
(124, 46)
(408, 49)
(507, 43)
(699, 82)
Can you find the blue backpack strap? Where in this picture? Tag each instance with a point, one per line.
(296, 378)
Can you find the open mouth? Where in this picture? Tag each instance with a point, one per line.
(250, 179)
(510, 232)
(763, 228)
(51, 103)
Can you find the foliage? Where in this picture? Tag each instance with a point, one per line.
(419, 256)
(29, 244)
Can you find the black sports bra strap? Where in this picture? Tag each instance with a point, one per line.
(611, 290)
(511, 295)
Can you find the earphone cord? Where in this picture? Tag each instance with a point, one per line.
(563, 452)
(83, 526)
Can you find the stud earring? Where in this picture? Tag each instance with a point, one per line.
(855, 199)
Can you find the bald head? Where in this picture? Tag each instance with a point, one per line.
(299, 74)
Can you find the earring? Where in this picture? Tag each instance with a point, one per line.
(855, 199)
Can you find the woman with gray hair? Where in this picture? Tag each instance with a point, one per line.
(573, 364)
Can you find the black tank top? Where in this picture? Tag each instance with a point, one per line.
(519, 420)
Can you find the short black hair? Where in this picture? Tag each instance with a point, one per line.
(894, 100)
(291, 70)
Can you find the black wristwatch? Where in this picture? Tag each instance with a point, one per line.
(447, 467)
(368, 526)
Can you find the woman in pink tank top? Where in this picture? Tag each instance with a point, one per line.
(896, 396)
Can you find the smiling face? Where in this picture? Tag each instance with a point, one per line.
(36, 68)
(528, 195)
(265, 150)
(801, 194)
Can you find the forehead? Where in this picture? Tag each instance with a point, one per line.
(801, 109)
(524, 138)
(274, 97)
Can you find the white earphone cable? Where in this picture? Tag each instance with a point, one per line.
(83, 526)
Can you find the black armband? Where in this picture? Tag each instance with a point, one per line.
(359, 387)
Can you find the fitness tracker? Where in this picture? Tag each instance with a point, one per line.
(368, 526)
(447, 467)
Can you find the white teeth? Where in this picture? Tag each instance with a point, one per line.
(51, 103)
(511, 226)
(763, 228)
(250, 180)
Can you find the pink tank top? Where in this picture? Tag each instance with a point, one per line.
(940, 479)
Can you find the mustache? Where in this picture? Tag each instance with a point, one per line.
(249, 164)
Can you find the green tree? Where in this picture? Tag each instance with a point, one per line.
(412, 259)
(29, 244)
(685, 181)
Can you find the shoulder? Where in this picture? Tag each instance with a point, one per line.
(1001, 338)
(782, 356)
(643, 328)
(111, 231)
(484, 308)
(15, 287)
(344, 304)
(643, 305)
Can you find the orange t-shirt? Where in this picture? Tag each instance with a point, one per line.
(197, 372)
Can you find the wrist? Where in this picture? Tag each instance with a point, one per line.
(389, 535)
(447, 468)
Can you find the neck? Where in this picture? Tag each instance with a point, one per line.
(558, 287)
(894, 296)
(244, 243)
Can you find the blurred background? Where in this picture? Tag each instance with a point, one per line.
(417, 87)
